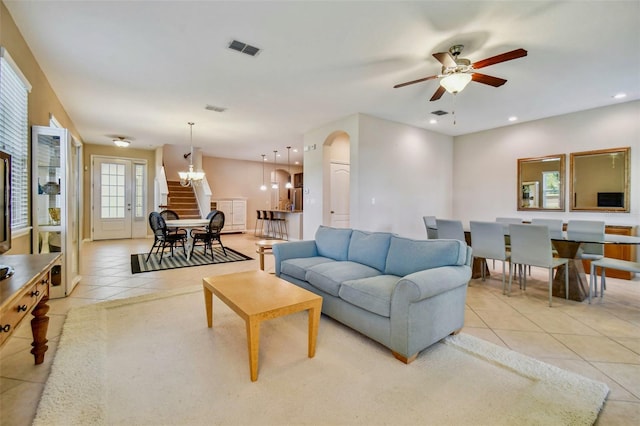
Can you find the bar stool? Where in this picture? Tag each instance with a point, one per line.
(281, 223)
(259, 219)
(266, 223)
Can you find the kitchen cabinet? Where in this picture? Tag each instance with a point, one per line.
(235, 213)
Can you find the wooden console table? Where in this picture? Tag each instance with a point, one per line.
(27, 291)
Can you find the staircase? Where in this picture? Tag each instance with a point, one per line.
(182, 200)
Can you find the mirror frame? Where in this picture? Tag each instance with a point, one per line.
(627, 176)
(522, 162)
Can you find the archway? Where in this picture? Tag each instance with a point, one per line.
(336, 180)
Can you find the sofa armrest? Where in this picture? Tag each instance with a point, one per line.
(430, 282)
(293, 250)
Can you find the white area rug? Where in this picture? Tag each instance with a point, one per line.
(151, 360)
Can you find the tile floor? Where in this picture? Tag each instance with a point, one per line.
(600, 341)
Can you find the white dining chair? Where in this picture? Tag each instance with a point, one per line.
(585, 230)
(530, 246)
(604, 263)
(450, 229)
(506, 221)
(554, 225)
(432, 227)
(487, 242)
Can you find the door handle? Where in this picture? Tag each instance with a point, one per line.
(332, 212)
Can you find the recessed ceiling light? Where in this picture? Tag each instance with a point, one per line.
(513, 118)
(433, 121)
(619, 96)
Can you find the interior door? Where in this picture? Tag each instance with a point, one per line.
(339, 195)
(112, 198)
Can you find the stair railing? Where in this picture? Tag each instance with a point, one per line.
(203, 197)
(161, 190)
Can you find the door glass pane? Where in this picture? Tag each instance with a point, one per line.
(112, 188)
(139, 191)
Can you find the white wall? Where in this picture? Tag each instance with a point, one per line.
(407, 170)
(485, 167)
(315, 155)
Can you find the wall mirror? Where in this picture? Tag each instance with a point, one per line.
(600, 180)
(541, 183)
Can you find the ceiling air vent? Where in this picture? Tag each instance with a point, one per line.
(439, 112)
(215, 108)
(244, 48)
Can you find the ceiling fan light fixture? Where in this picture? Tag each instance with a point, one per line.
(455, 83)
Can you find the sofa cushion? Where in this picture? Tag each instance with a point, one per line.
(371, 294)
(329, 276)
(369, 248)
(297, 268)
(333, 242)
(407, 256)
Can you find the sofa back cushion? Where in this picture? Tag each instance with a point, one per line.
(333, 242)
(369, 248)
(407, 256)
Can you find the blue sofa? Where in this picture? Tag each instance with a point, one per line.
(405, 294)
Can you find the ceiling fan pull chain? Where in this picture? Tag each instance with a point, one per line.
(453, 108)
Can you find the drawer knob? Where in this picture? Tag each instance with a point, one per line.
(35, 293)
(22, 308)
(45, 281)
(5, 328)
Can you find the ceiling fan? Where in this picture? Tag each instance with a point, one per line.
(458, 72)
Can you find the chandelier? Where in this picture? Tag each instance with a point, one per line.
(190, 177)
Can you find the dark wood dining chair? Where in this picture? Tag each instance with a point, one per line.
(162, 238)
(210, 236)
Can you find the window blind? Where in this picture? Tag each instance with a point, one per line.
(14, 135)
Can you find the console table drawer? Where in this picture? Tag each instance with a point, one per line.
(14, 312)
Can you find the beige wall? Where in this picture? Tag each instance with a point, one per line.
(42, 100)
(240, 178)
(113, 151)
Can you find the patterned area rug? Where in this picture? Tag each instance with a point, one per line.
(179, 260)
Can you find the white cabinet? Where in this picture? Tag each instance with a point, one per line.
(56, 165)
(235, 213)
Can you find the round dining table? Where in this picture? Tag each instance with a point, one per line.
(187, 224)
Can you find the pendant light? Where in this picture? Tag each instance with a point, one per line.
(274, 184)
(190, 177)
(263, 187)
(289, 185)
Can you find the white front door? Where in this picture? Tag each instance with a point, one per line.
(339, 195)
(112, 198)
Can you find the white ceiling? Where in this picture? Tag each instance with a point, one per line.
(143, 69)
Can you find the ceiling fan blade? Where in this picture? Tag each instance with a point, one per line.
(514, 54)
(420, 80)
(438, 94)
(487, 79)
(446, 59)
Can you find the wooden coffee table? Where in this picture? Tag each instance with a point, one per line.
(257, 296)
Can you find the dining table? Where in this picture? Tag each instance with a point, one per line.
(187, 224)
(568, 248)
